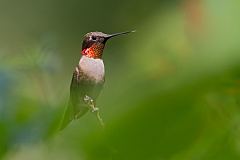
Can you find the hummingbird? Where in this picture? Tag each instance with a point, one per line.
(88, 77)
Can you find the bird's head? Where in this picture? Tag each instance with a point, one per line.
(94, 42)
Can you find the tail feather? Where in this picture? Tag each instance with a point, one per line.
(71, 113)
(68, 116)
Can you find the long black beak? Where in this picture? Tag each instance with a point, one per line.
(117, 34)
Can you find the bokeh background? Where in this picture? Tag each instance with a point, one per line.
(172, 88)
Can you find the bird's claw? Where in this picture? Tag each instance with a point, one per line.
(87, 99)
(90, 102)
(94, 109)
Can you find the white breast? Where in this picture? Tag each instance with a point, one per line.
(93, 68)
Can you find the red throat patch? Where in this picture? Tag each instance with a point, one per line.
(95, 51)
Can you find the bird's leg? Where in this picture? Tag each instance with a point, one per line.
(90, 102)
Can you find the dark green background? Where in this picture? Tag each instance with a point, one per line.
(172, 88)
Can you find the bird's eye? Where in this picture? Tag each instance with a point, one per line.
(94, 38)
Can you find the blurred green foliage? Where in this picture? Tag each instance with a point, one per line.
(172, 88)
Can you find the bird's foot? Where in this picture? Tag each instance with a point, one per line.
(94, 109)
(90, 102)
(87, 99)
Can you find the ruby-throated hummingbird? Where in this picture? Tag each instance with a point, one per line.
(88, 77)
